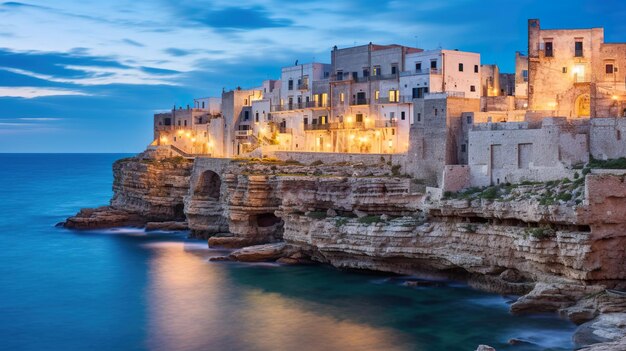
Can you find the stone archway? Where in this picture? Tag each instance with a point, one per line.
(582, 106)
(209, 185)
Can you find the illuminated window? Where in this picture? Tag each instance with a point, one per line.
(376, 94)
(376, 71)
(393, 96)
(342, 98)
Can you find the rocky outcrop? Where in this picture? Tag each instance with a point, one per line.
(147, 188)
(104, 217)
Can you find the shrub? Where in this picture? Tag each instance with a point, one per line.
(489, 193)
(395, 170)
(292, 162)
(370, 219)
(617, 163)
(317, 163)
(564, 197)
(541, 232)
(317, 214)
(340, 222)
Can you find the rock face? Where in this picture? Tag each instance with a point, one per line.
(147, 188)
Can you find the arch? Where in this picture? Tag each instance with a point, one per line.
(583, 105)
(209, 185)
(265, 220)
(624, 113)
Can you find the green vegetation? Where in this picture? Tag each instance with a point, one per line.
(544, 232)
(341, 221)
(317, 163)
(618, 163)
(395, 170)
(489, 193)
(317, 214)
(370, 219)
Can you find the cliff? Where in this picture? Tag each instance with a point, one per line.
(558, 242)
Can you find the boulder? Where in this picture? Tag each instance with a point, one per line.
(169, 226)
(259, 253)
(485, 348)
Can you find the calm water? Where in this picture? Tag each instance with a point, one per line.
(128, 290)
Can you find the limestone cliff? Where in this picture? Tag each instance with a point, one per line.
(148, 187)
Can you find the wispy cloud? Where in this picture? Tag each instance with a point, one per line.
(36, 92)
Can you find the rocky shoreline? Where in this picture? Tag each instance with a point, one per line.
(561, 253)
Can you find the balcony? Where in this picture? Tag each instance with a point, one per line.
(285, 130)
(325, 126)
(420, 72)
(243, 134)
(357, 102)
(303, 86)
(298, 106)
(383, 77)
(385, 124)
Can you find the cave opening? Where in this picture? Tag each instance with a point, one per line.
(209, 185)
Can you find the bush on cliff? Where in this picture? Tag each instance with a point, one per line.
(370, 219)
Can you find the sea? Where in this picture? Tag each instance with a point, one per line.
(127, 289)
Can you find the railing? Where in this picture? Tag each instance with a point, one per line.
(385, 124)
(582, 78)
(303, 86)
(420, 71)
(384, 77)
(325, 126)
(298, 106)
(285, 130)
(387, 100)
(355, 102)
(243, 133)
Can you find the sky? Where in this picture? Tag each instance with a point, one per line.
(87, 75)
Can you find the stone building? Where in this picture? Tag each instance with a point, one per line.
(574, 73)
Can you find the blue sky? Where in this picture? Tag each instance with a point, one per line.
(86, 75)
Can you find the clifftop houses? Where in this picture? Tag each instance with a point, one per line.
(441, 114)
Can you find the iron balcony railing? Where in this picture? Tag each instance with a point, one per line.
(325, 126)
(299, 106)
(420, 71)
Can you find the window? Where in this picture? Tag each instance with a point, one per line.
(290, 84)
(392, 116)
(355, 75)
(578, 49)
(419, 117)
(342, 97)
(359, 118)
(418, 66)
(376, 71)
(394, 69)
(609, 68)
(475, 68)
(549, 51)
(306, 120)
(339, 75)
(377, 95)
(366, 72)
(460, 67)
(256, 117)
(525, 75)
(433, 64)
(393, 96)
(185, 122)
(472, 88)
(246, 115)
(463, 148)
(179, 123)
(564, 69)
(202, 104)
(469, 119)
(435, 112)
(322, 119)
(402, 115)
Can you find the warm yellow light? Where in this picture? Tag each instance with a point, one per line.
(362, 139)
(164, 139)
(552, 104)
(193, 140)
(262, 130)
(188, 135)
(390, 143)
(352, 136)
(210, 143)
(378, 133)
(614, 97)
(348, 119)
(180, 132)
(328, 145)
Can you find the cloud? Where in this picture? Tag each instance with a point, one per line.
(40, 119)
(36, 92)
(240, 18)
(178, 52)
(133, 43)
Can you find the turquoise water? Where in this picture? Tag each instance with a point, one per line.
(127, 290)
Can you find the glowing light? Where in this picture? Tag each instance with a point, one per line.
(164, 139)
(188, 135)
(262, 130)
(210, 143)
(552, 104)
(378, 133)
(362, 139)
(328, 145)
(193, 140)
(352, 136)
(614, 97)
(180, 132)
(348, 119)
(390, 143)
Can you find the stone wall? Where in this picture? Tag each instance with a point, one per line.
(329, 158)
